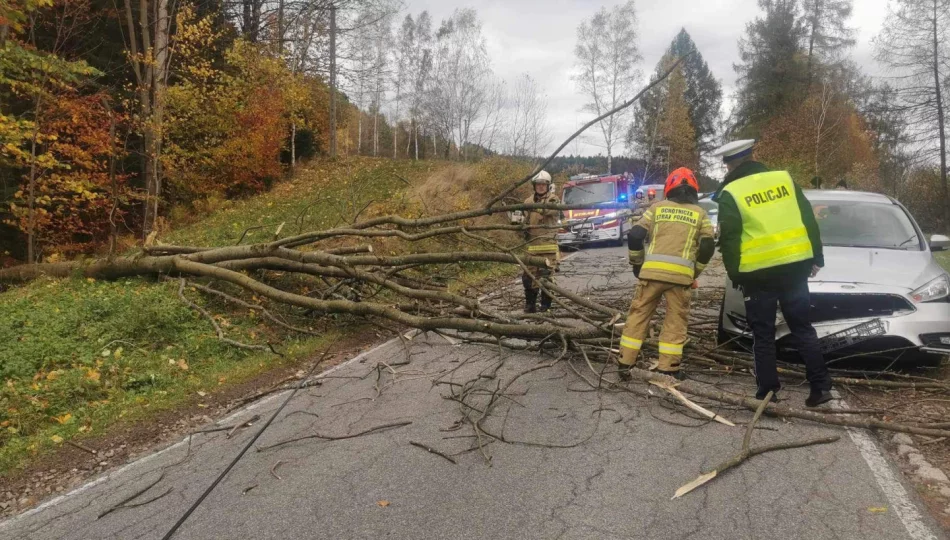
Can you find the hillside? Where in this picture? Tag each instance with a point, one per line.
(82, 356)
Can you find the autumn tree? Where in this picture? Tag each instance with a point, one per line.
(37, 88)
(607, 54)
(914, 45)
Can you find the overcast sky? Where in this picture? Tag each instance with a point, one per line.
(538, 37)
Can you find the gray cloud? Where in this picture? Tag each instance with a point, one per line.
(537, 37)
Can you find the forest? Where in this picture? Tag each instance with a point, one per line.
(115, 118)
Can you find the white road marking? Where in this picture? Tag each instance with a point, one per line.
(145, 459)
(884, 475)
(882, 471)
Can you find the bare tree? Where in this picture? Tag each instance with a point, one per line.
(913, 44)
(461, 79)
(607, 55)
(420, 67)
(527, 132)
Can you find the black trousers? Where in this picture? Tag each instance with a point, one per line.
(760, 307)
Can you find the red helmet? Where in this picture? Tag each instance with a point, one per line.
(679, 177)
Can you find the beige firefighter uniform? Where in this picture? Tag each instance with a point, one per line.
(541, 241)
(668, 265)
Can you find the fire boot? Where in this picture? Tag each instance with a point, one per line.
(545, 302)
(530, 300)
(624, 372)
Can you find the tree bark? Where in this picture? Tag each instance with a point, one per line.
(940, 121)
(332, 81)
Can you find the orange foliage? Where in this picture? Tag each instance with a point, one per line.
(251, 162)
(824, 136)
(73, 190)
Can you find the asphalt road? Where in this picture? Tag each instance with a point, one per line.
(582, 464)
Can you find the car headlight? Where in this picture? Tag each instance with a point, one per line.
(936, 289)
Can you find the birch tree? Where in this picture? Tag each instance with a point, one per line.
(527, 131)
(461, 83)
(607, 55)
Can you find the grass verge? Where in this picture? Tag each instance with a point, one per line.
(943, 257)
(78, 357)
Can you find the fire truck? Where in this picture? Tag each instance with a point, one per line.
(593, 225)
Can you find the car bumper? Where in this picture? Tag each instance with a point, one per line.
(926, 328)
(589, 236)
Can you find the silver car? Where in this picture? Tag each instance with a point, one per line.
(881, 294)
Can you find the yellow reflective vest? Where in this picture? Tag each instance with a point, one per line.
(772, 230)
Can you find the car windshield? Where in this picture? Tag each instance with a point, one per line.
(600, 192)
(864, 224)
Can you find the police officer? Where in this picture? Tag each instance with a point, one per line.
(680, 244)
(770, 246)
(540, 235)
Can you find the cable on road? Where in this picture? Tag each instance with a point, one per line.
(197, 503)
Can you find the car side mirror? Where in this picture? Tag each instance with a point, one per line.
(939, 242)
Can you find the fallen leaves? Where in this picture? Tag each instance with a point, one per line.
(383, 503)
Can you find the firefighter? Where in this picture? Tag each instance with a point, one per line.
(680, 244)
(541, 241)
(770, 246)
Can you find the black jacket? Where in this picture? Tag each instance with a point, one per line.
(730, 236)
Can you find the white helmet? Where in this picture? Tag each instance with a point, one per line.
(542, 177)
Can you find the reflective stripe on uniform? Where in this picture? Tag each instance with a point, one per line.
(671, 348)
(669, 263)
(631, 343)
(700, 267)
(668, 267)
(773, 233)
(672, 259)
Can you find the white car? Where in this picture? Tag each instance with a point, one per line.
(881, 294)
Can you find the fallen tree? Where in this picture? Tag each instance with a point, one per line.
(313, 273)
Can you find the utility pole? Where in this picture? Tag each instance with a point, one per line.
(332, 81)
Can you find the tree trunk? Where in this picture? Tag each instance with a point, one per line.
(610, 161)
(811, 42)
(162, 27)
(940, 123)
(332, 81)
(31, 198)
(280, 27)
(376, 131)
(293, 144)
(246, 17)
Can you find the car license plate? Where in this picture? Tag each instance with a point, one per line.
(850, 336)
